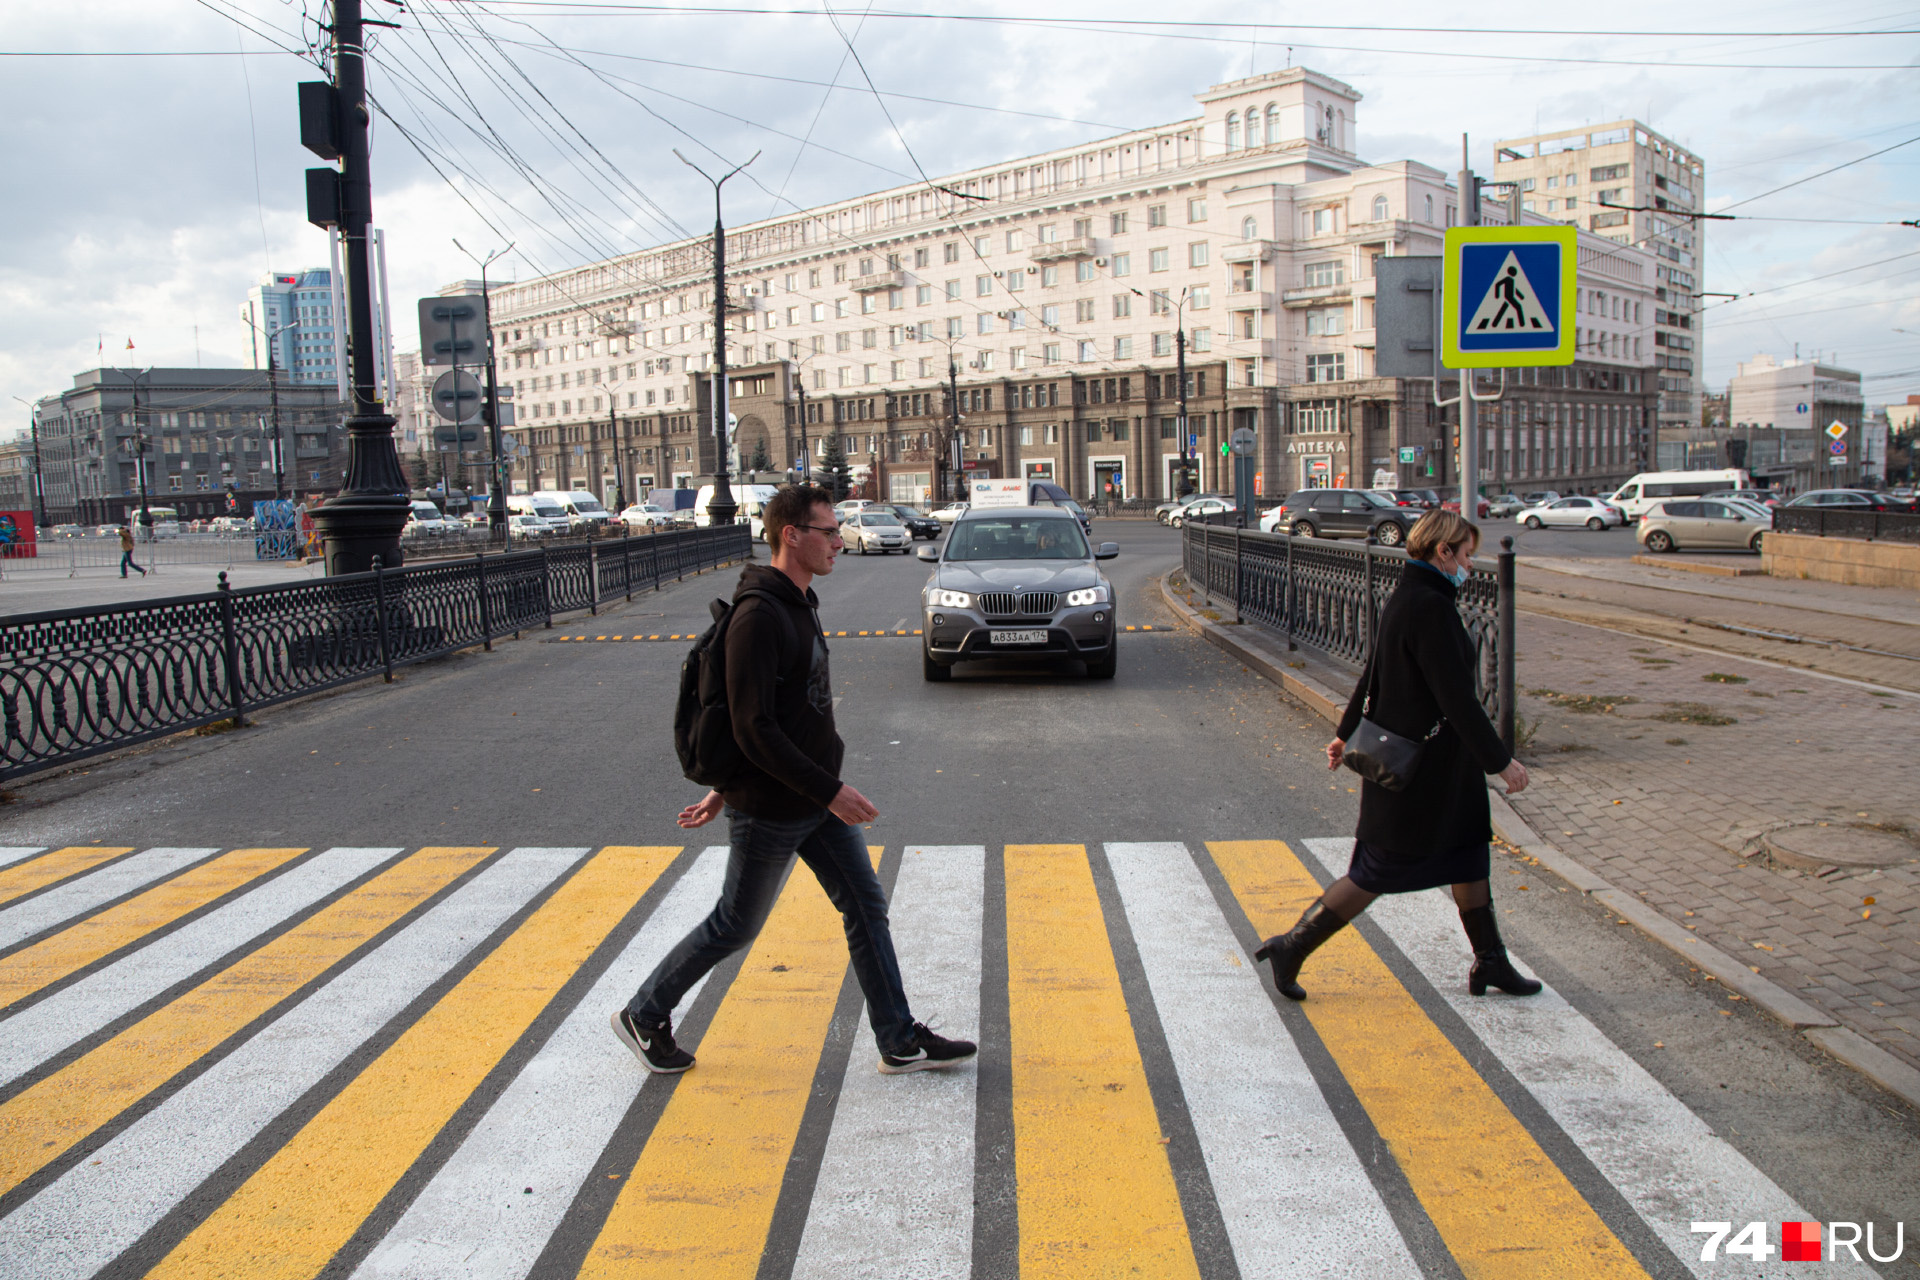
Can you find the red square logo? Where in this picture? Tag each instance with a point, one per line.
(1799, 1242)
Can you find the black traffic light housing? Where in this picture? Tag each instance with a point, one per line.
(320, 119)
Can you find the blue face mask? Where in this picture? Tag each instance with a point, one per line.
(1458, 577)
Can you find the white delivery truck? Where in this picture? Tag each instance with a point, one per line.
(580, 508)
(541, 505)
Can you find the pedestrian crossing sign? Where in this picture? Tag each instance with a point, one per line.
(1507, 296)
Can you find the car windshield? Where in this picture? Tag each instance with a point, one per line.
(1018, 538)
(878, 517)
(1376, 500)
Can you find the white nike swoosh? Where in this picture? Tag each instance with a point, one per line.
(915, 1056)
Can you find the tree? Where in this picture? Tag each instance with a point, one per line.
(833, 471)
(760, 460)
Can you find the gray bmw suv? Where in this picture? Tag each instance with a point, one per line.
(1017, 583)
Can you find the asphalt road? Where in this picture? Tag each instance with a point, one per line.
(1113, 841)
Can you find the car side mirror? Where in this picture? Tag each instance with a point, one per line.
(1107, 551)
(929, 554)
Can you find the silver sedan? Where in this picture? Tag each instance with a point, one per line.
(1571, 513)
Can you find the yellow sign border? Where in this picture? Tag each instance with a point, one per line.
(1451, 356)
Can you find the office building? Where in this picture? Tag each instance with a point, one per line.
(1056, 288)
(1780, 415)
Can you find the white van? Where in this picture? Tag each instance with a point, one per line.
(750, 498)
(580, 508)
(543, 506)
(1638, 494)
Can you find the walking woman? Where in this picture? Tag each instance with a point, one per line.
(1437, 829)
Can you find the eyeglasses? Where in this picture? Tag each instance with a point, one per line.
(831, 530)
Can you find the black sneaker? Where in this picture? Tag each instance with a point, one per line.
(928, 1051)
(654, 1046)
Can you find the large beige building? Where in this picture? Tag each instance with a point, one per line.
(1056, 285)
(1634, 186)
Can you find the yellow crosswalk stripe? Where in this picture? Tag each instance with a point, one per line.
(37, 873)
(700, 1198)
(51, 959)
(1097, 1195)
(45, 1119)
(1503, 1208)
(299, 1208)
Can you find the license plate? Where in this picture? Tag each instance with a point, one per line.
(1017, 637)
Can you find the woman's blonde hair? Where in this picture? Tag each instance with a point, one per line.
(1438, 529)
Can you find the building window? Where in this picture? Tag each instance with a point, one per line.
(1050, 353)
(1162, 344)
(1200, 340)
(952, 251)
(1429, 217)
(1159, 259)
(1379, 208)
(1123, 348)
(1122, 305)
(1156, 215)
(1050, 316)
(1197, 254)
(1016, 279)
(1117, 224)
(1084, 271)
(1197, 209)
(1327, 367)
(1087, 350)
(1233, 130)
(983, 286)
(1016, 358)
(1327, 323)
(1122, 264)
(1321, 275)
(1200, 297)
(1049, 276)
(983, 323)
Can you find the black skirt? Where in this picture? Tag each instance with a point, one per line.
(1379, 871)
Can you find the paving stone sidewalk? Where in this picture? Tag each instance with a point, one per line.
(1659, 767)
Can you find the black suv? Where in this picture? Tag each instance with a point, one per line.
(919, 524)
(1346, 513)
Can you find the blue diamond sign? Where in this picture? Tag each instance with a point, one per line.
(1507, 296)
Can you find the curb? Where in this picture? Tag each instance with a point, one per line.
(1699, 566)
(1267, 656)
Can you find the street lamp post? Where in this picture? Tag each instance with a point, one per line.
(721, 508)
(39, 489)
(1184, 485)
(140, 454)
(490, 408)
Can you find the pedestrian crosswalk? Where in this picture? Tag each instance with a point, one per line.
(395, 1062)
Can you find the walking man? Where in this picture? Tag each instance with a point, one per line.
(789, 799)
(126, 551)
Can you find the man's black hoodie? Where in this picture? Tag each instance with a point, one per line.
(781, 700)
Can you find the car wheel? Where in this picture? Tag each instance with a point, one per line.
(1753, 544)
(1389, 534)
(1104, 668)
(1660, 540)
(1533, 522)
(931, 671)
(1177, 522)
(1302, 529)
(1596, 524)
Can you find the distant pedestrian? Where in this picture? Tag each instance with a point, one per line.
(126, 551)
(788, 799)
(1437, 830)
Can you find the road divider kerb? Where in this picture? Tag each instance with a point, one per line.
(1265, 654)
(876, 633)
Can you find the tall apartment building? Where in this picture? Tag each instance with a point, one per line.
(301, 320)
(1636, 187)
(1056, 284)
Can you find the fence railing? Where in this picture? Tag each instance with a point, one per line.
(75, 684)
(1844, 522)
(1328, 595)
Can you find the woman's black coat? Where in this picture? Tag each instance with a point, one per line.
(1424, 663)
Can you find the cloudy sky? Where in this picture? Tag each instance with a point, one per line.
(148, 192)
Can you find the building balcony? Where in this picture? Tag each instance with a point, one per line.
(1062, 250)
(883, 280)
(1248, 251)
(1317, 295)
(528, 344)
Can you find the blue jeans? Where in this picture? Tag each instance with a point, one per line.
(756, 862)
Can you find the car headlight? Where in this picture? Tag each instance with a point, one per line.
(1091, 595)
(949, 599)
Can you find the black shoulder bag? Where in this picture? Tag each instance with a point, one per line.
(1379, 755)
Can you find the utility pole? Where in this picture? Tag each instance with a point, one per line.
(721, 508)
(806, 459)
(1185, 483)
(953, 423)
(140, 457)
(1469, 427)
(365, 519)
(279, 448)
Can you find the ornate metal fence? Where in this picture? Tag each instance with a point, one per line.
(1328, 596)
(75, 684)
(1845, 522)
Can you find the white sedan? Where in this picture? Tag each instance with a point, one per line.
(1571, 513)
(881, 531)
(646, 515)
(951, 512)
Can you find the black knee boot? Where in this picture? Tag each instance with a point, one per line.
(1289, 950)
(1491, 968)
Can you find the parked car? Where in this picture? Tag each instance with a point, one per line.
(1018, 583)
(841, 510)
(1342, 513)
(1850, 500)
(918, 523)
(1503, 505)
(1198, 508)
(1571, 513)
(229, 526)
(951, 512)
(1703, 523)
(1481, 507)
(425, 518)
(647, 516)
(1538, 499)
(524, 527)
(1424, 499)
(868, 530)
(1765, 497)
(1164, 512)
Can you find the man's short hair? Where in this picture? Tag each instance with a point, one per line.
(1440, 528)
(792, 505)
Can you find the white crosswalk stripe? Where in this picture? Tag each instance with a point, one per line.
(76, 897)
(12, 853)
(1661, 1157)
(475, 1219)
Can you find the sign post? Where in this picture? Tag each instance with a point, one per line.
(1507, 300)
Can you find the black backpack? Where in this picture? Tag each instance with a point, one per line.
(702, 722)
